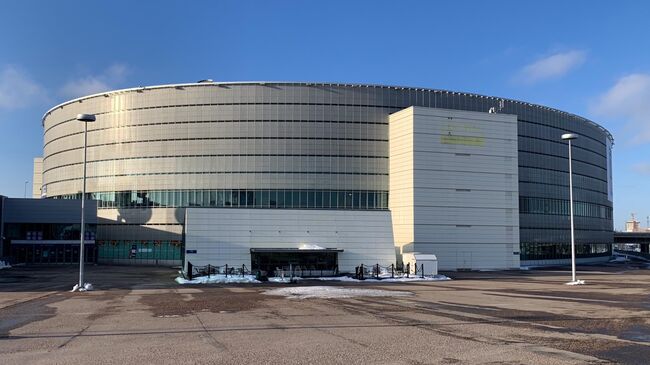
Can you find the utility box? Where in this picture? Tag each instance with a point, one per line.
(416, 259)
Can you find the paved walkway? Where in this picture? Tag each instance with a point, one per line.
(139, 315)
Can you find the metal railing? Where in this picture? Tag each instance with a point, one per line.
(361, 272)
(209, 270)
(379, 272)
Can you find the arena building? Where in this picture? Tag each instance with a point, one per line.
(265, 173)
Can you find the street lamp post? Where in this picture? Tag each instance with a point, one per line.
(85, 118)
(569, 137)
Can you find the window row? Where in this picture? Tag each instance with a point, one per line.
(310, 123)
(317, 199)
(48, 231)
(553, 251)
(528, 205)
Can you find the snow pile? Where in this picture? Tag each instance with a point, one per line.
(283, 279)
(620, 259)
(329, 292)
(219, 279)
(309, 246)
(577, 282)
(86, 287)
(4, 265)
(388, 279)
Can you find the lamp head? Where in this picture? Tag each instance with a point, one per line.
(569, 136)
(86, 117)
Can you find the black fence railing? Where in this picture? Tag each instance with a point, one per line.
(361, 272)
(379, 272)
(208, 270)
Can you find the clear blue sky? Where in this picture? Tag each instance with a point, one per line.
(586, 57)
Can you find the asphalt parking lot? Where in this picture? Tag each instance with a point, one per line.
(140, 315)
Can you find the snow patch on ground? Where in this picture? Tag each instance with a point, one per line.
(577, 282)
(620, 259)
(329, 292)
(4, 265)
(86, 287)
(285, 279)
(219, 279)
(238, 279)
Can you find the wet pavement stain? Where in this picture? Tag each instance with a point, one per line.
(21, 314)
(640, 333)
(177, 304)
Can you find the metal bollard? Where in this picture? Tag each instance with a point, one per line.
(189, 270)
(208, 271)
(422, 271)
(408, 269)
(226, 270)
(392, 270)
(243, 270)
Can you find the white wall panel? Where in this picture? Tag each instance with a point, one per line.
(225, 236)
(454, 186)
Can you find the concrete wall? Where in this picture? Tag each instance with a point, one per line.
(454, 186)
(37, 178)
(225, 236)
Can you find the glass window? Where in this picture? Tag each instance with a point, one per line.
(311, 199)
(280, 203)
(263, 199)
(220, 198)
(348, 199)
(250, 199)
(227, 198)
(296, 199)
(273, 199)
(304, 199)
(258, 199)
(371, 200)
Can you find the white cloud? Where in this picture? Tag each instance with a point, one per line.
(94, 84)
(629, 100)
(553, 66)
(18, 90)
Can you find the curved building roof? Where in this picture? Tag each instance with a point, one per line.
(208, 83)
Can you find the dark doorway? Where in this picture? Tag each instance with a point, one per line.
(301, 263)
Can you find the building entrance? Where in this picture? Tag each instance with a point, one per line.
(288, 261)
(59, 253)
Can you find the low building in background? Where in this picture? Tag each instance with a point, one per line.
(46, 230)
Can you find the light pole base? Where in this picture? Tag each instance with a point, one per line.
(577, 282)
(86, 287)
